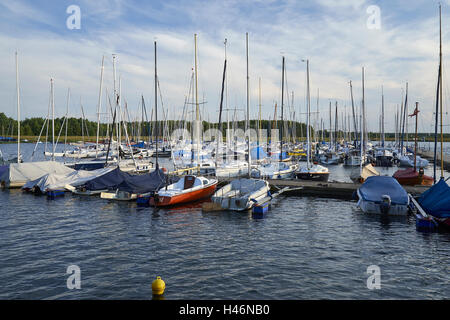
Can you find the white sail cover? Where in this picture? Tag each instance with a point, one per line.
(18, 174)
(55, 181)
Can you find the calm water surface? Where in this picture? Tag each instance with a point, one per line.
(304, 248)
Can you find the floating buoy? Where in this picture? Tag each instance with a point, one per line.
(158, 286)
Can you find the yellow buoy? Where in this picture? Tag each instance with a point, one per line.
(158, 286)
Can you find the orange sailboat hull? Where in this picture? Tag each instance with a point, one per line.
(194, 195)
(410, 177)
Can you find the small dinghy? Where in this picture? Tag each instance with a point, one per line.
(315, 172)
(189, 188)
(384, 195)
(241, 194)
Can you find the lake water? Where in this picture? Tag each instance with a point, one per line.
(303, 248)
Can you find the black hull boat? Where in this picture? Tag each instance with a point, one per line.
(313, 176)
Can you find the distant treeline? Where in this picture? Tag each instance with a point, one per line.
(88, 129)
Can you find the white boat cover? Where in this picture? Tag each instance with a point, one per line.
(241, 194)
(17, 174)
(55, 181)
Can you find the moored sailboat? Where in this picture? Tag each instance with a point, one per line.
(308, 172)
(411, 176)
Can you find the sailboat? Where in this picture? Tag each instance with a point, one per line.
(241, 194)
(308, 172)
(366, 171)
(277, 168)
(234, 168)
(411, 176)
(189, 188)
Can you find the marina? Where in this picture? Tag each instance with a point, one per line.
(178, 166)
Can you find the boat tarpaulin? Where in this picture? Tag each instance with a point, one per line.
(107, 181)
(17, 174)
(53, 181)
(3, 169)
(436, 200)
(376, 186)
(144, 183)
(117, 179)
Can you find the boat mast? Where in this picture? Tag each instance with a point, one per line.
(282, 109)
(259, 118)
(440, 91)
(362, 124)
(416, 113)
(197, 111)
(331, 130)
(53, 120)
(363, 119)
(308, 119)
(382, 117)
(156, 110)
(18, 108)
(221, 108)
(247, 129)
(336, 128)
(99, 106)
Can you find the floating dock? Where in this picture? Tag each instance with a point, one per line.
(334, 190)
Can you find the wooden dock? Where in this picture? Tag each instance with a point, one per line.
(334, 190)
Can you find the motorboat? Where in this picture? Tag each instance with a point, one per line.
(383, 195)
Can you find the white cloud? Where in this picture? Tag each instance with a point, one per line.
(337, 43)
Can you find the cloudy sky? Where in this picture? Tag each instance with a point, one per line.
(339, 37)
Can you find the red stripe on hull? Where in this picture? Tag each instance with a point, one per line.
(184, 197)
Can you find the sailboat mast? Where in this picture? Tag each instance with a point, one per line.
(382, 117)
(53, 120)
(99, 106)
(18, 108)
(220, 110)
(197, 109)
(282, 109)
(416, 113)
(248, 110)
(363, 119)
(259, 117)
(440, 90)
(156, 109)
(308, 118)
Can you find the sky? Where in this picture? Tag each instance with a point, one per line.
(338, 37)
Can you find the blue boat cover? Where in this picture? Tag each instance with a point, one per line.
(376, 186)
(149, 182)
(117, 179)
(436, 200)
(3, 169)
(258, 153)
(139, 145)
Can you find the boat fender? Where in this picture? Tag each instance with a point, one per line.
(385, 204)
